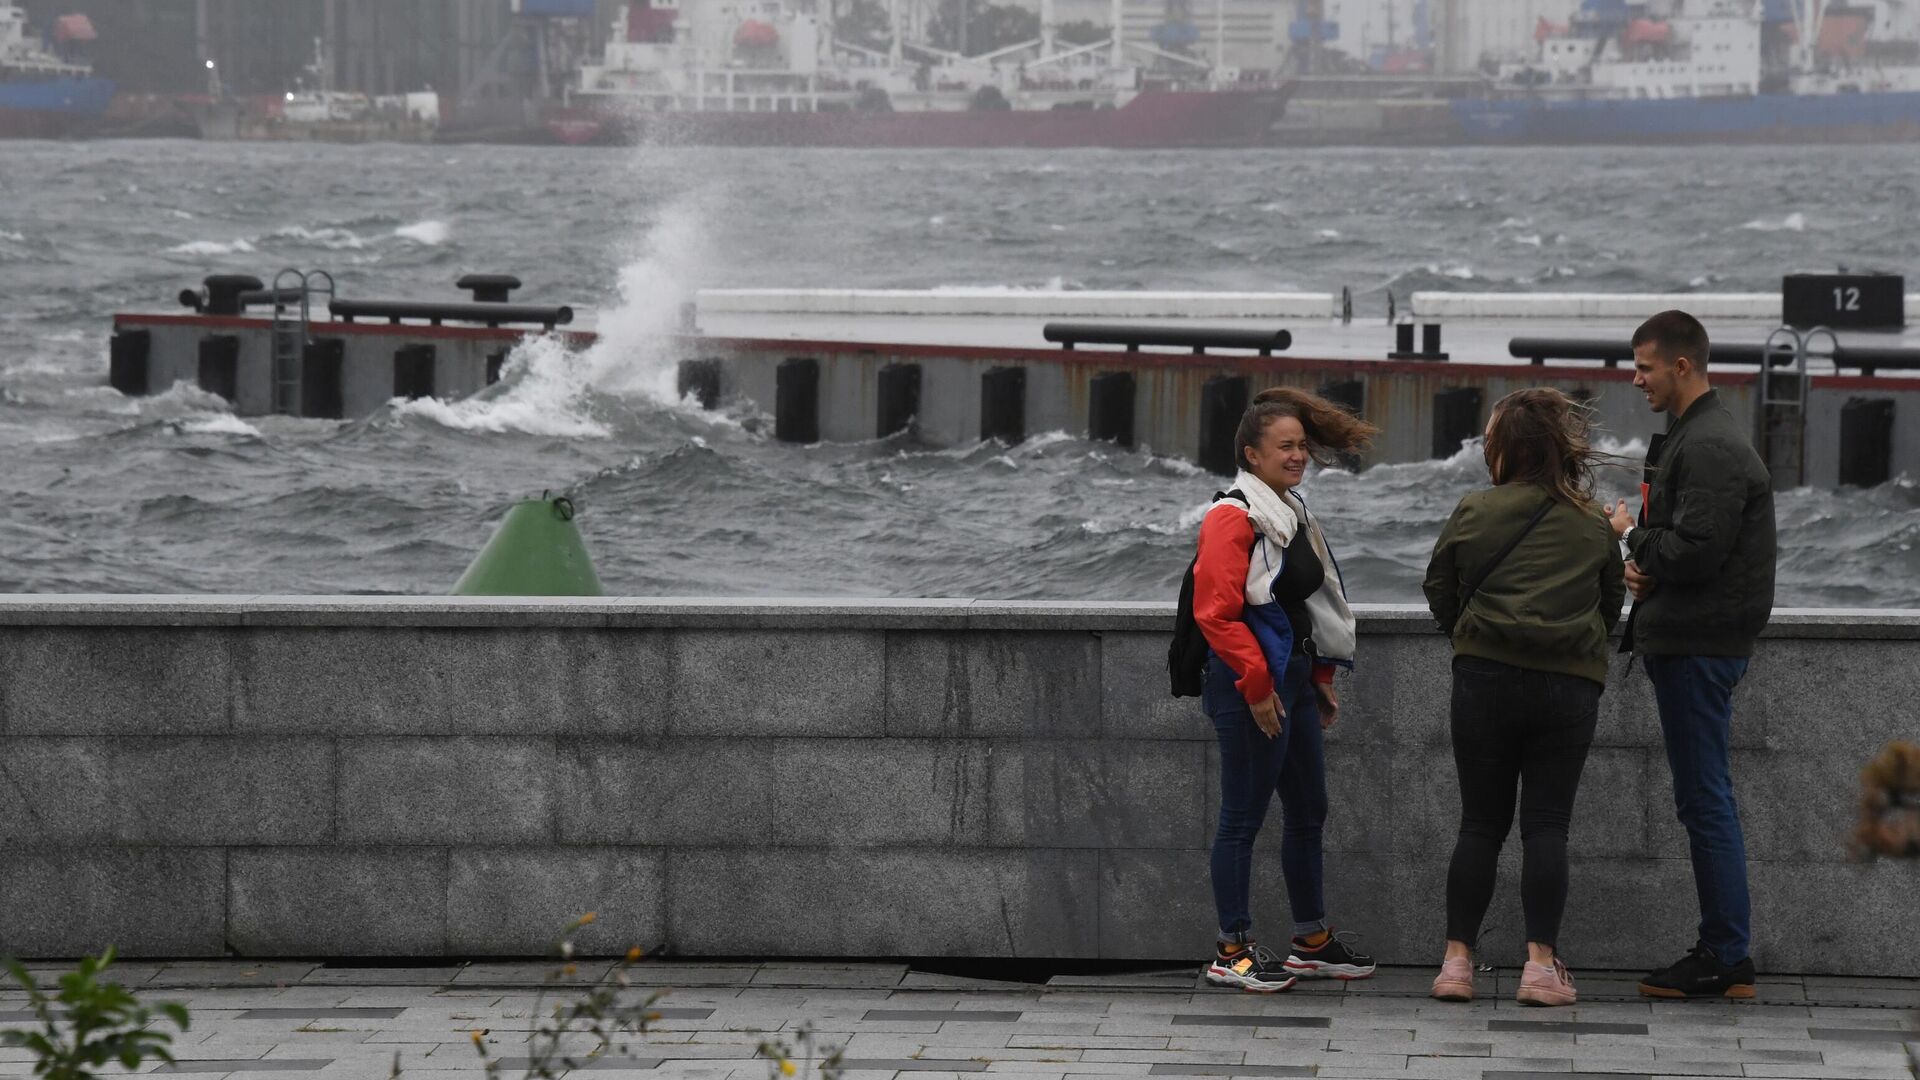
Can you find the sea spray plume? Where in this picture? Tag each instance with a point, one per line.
(634, 354)
(550, 389)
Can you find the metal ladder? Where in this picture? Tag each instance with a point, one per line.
(1780, 420)
(293, 293)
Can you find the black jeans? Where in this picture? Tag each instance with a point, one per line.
(1516, 728)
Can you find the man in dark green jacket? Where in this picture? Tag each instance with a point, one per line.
(1700, 567)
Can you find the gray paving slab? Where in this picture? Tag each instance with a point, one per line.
(319, 1013)
(1566, 1027)
(1269, 1021)
(978, 1016)
(1230, 1070)
(600, 1064)
(329, 975)
(249, 1065)
(913, 1065)
(1504, 1074)
(1863, 1034)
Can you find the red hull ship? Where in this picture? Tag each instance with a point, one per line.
(776, 73)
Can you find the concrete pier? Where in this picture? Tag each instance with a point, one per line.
(330, 777)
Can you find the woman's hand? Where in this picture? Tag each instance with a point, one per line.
(1329, 703)
(1270, 715)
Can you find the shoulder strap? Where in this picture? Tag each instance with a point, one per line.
(1487, 568)
(1236, 495)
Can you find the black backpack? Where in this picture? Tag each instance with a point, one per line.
(1187, 652)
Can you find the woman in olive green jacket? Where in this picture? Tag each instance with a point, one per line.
(1527, 579)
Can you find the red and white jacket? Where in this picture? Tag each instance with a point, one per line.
(1234, 607)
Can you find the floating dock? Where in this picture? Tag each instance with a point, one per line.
(1170, 372)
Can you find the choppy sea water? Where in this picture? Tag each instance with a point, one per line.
(175, 494)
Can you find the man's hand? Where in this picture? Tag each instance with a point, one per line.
(1620, 519)
(1269, 715)
(1639, 584)
(1329, 703)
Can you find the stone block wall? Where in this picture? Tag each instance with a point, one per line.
(366, 777)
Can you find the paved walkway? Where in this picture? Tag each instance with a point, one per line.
(288, 1020)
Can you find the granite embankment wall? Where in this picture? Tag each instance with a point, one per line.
(355, 777)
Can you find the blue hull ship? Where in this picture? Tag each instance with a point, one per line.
(51, 107)
(1840, 117)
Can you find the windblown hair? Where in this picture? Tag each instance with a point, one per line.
(1674, 334)
(1542, 436)
(1331, 430)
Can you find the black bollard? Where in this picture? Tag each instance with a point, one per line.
(223, 293)
(1003, 404)
(322, 364)
(1430, 342)
(701, 378)
(1223, 399)
(219, 371)
(899, 399)
(1456, 418)
(1866, 442)
(1110, 405)
(129, 357)
(413, 371)
(796, 400)
(1402, 342)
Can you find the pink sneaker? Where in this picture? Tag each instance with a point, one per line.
(1455, 981)
(1546, 984)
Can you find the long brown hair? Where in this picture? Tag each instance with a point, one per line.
(1331, 430)
(1542, 436)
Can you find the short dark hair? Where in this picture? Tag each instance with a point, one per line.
(1675, 334)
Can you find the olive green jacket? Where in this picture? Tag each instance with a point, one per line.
(1550, 605)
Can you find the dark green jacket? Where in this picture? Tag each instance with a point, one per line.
(1551, 604)
(1706, 539)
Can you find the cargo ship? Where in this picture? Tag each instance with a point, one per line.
(1689, 71)
(47, 89)
(763, 73)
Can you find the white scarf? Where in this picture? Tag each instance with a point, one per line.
(1273, 514)
(1268, 509)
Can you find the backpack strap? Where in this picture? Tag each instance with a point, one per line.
(1473, 586)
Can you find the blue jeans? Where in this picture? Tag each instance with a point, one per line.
(1252, 768)
(1695, 694)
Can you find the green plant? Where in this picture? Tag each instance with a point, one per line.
(796, 1059)
(600, 1011)
(90, 1023)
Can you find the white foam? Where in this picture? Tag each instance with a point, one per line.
(181, 397)
(430, 233)
(330, 238)
(544, 392)
(13, 237)
(213, 247)
(1328, 234)
(1531, 239)
(1794, 222)
(223, 424)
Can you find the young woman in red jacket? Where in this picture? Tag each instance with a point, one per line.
(1269, 599)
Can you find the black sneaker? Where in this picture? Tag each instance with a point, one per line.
(1334, 959)
(1254, 969)
(1701, 974)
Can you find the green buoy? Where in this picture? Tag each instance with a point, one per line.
(537, 551)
